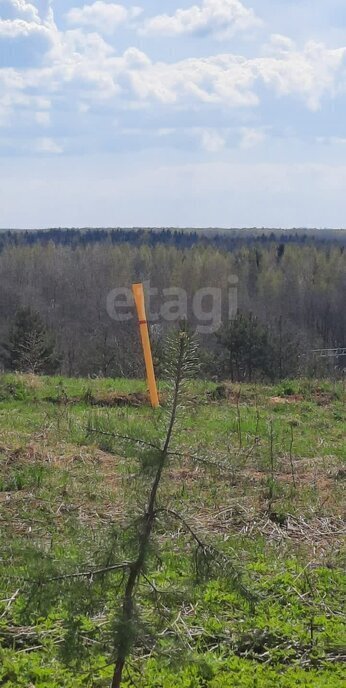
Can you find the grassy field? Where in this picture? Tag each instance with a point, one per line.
(257, 472)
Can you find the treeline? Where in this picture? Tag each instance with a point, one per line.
(223, 239)
(290, 297)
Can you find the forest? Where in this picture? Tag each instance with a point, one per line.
(289, 293)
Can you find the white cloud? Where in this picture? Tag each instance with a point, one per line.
(83, 67)
(279, 44)
(251, 137)
(47, 145)
(211, 140)
(78, 83)
(18, 9)
(80, 69)
(219, 17)
(166, 131)
(309, 73)
(331, 140)
(14, 97)
(234, 81)
(17, 28)
(42, 118)
(102, 16)
(223, 79)
(24, 37)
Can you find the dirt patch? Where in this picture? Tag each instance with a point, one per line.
(230, 392)
(184, 474)
(220, 392)
(116, 399)
(109, 400)
(323, 398)
(91, 472)
(63, 455)
(284, 476)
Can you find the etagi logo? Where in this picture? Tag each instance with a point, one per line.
(205, 307)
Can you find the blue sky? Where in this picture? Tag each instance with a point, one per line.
(189, 113)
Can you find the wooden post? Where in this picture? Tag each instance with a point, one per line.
(138, 294)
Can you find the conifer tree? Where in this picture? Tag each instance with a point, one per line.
(246, 348)
(30, 347)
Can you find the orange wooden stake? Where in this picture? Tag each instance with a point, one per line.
(138, 294)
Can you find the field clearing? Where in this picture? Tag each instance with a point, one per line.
(256, 471)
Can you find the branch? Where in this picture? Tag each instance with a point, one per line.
(206, 462)
(171, 512)
(89, 574)
(205, 547)
(9, 602)
(182, 455)
(128, 438)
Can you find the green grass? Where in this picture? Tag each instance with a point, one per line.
(276, 513)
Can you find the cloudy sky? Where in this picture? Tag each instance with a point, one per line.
(188, 113)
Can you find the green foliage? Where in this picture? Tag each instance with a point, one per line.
(241, 673)
(14, 389)
(23, 477)
(71, 507)
(246, 348)
(30, 346)
(287, 388)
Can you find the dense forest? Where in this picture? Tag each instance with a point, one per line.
(290, 288)
(227, 239)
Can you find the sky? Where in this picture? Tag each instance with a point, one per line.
(203, 113)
